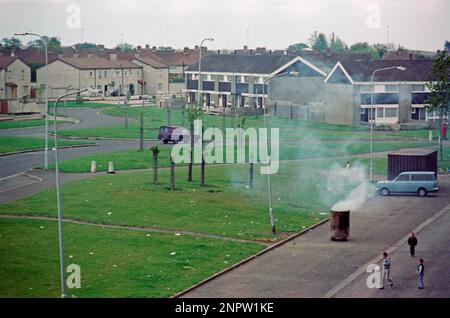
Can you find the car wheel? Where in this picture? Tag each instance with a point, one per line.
(384, 192)
(421, 192)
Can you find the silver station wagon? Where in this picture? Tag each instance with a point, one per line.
(420, 182)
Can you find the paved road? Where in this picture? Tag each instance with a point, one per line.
(312, 265)
(13, 164)
(89, 118)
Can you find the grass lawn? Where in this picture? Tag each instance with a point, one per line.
(16, 143)
(21, 123)
(135, 159)
(123, 263)
(289, 129)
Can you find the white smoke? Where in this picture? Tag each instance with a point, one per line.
(340, 179)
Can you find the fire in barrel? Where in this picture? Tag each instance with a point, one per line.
(339, 225)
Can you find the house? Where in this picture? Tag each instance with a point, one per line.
(14, 78)
(399, 96)
(234, 80)
(155, 76)
(107, 76)
(15, 84)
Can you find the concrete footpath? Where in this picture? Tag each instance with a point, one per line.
(314, 266)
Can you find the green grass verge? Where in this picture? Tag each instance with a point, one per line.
(85, 104)
(16, 143)
(134, 159)
(289, 129)
(21, 123)
(123, 263)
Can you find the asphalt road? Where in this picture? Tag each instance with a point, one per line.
(312, 265)
(89, 118)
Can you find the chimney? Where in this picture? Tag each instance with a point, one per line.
(328, 51)
(154, 48)
(251, 52)
(235, 52)
(410, 56)
(218, 52)
(139, 47)
(147, 46)
(245, 47)
(196, 47)
(113, 57)
(185, 49)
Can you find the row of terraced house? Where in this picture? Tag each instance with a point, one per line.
(326, 87)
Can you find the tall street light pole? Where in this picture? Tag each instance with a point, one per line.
(200, 82)
(58, 193)
(269, 179)
(46, 93)
(372, 117)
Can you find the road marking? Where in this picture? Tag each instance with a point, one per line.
(35, 180)
(377, 259)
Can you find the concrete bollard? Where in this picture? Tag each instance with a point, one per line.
(111, 167)
(430, 135)
(93, 166)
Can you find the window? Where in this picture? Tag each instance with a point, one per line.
(105, 73)
(422, 177)
(238, 79)
(247, 79)
(23, 75)
(366, 88)
(391, 88)
(413, 110)
(403, 177)
(418, 88)
(380, 112)
(221, 78)
(204, 77)
(391, 112)
(91, 74)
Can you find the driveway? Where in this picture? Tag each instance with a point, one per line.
(314, 266)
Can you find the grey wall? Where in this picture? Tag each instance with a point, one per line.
(404, 103)
(297, 90)
(341, 104)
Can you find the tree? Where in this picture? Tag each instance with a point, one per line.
(126, 47)
(155, 152)
(447, 46)
(318, 41)
(439, 97)
(361, 47)
(53, 43)
(194, 112)
(298, 46)
(380, 49)
(11, 42)
(337, 45)
(87, 45)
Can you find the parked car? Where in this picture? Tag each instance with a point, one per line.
(171, 133)
(420, 182)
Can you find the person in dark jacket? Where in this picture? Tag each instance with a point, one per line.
(412, 242)
(420, 273)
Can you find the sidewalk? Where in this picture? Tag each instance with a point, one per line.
(312, 265)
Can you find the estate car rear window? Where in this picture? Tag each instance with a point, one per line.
(422, 177)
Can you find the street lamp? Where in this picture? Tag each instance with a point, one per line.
(372, 117)
(269, 180)
(58, 190)
(199, 82)
(46, 93)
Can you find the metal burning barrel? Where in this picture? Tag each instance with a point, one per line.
(339, 225)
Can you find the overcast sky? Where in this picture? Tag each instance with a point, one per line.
(416, 24)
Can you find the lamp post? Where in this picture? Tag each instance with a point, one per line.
(200, 69)
(58, 191)
(46, 93)
(269, 179)
(372, 117)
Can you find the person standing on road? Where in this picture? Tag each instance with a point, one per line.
(420, 273)
(386, 274)
(412, 242)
